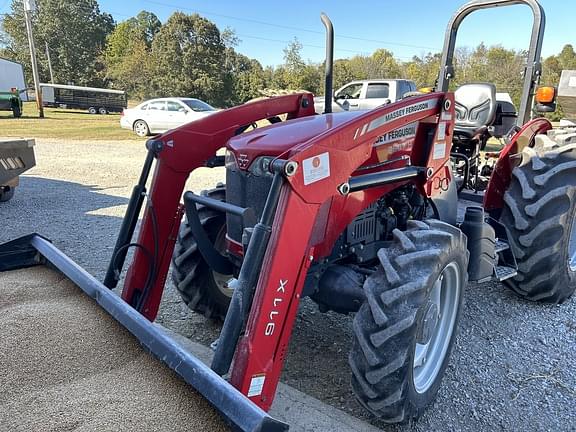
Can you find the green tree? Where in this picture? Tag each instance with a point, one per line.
(552, 67)
(246, 77)
(423, 70)
(293, 67)
(75, 31)
(188, 59)
(295, 73)
(127, 54)
(343, 73)
(147, 25)
(243, 77)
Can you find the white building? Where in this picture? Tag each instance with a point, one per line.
(12, 75)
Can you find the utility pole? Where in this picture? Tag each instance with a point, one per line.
(49, 63)
(30, 7)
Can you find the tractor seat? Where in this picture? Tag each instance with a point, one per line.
(475, 107)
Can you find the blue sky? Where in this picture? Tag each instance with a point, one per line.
(407, 27)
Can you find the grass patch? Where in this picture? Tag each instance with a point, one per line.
(62, 123)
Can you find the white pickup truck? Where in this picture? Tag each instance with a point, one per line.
(366, 94)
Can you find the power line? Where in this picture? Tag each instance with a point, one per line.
(314, 46)
(78, 7)
(270, 24)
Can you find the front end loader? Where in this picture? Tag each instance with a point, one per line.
(356, 210)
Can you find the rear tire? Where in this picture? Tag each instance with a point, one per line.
(102, 111)
(7, 194)
(539, 212)
(202, 289)
(404, 332)
(141, 128)
(92, 110)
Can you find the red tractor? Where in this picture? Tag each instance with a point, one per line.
(358, 211)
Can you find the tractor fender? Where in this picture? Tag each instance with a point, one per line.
(502, 174)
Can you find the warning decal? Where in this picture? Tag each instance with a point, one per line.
(439, 150)
(316, 168)
(256, 385)
(441, 131)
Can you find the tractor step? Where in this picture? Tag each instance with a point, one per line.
(501, 245)
(505, 266)
(503, 272)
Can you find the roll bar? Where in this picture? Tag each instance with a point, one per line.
(533, 68)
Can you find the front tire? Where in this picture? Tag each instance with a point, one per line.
(141, 128)
(202, 289)
(540, 213)
(404, 332)
(102, 111)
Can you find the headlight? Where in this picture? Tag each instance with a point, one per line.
(230, 161)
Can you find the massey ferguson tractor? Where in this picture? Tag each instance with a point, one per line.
(356, 210)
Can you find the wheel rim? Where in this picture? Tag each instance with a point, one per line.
(443, 306)
(572, 247)
(223, 282)
(140, 128)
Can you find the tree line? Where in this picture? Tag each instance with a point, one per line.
(188, 55)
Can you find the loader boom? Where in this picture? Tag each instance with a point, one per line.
(269, 319)
(183, 150)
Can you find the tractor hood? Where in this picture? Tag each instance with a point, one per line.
(276, 139)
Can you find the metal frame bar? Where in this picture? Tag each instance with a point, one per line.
(238, 410)
(365, 181)
(241, 302)
(214, 259)
(533, 67)
(247, 214)
(128, 224)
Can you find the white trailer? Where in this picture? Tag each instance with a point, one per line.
(12, 76)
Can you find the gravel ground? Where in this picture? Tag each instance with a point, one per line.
(512, 368)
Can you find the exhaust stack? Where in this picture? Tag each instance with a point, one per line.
(329, 62)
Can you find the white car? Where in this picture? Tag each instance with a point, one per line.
(159, 115)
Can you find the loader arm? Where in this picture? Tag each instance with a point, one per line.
(261, 352)
(178, 153)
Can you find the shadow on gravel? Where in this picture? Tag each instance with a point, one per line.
(70, 214)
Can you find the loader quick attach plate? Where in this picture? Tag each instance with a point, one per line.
(238, 410)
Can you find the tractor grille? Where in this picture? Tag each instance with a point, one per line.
(244, 189)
